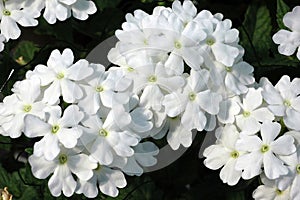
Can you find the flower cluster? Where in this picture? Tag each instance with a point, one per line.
(96, 138)
(25, 13)
(176, 70)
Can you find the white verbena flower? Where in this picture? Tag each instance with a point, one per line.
(289, 41)
(57, 130)
(283, 100)
(63, 166)
(61, 76)
(252, 112)
(224, 154)
(264, 152)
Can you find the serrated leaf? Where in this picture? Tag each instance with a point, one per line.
(256, 33)
(25, 52)
(282, 9)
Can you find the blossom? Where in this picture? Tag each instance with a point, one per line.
(283, 99)
(63, 166)
(224, 154)
(289, 41)
(13, 12)
(103, 139)
(252, 112)
(264, 152)
(269, 191)
(2, 40)
(60, 75)
(25, 100)
(107, 179)
(57, 130)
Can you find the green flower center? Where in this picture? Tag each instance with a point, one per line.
(210, 41)
(264, 148)
(6, 12)
(63, 158)
(235, 154)
(60, 75)
(27, 108)
(298, 169)
(177, 45)
(246, 113)
(99, 89)
(287, 103)
(98, 167)
(228, 69)
(103, 133)
(152, 78)
(130, 69)
(145, 42)
(55, 129)
(192, 96)
(279, 192)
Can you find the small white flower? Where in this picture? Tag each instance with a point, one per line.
(269, 191)
(224, 153)
(24, 101)
(60, 75)
(284, 100)
(264, 152)
(252, 112)
(106, 179)
(2, 41)
(63, 166)
(58, 130)
(289, 41)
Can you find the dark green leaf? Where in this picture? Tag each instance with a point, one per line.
(282, 9)
(25, 52)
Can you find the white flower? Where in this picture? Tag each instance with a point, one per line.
(224, 153)
(292, 179)
(13, 12)
(269, 191)
(105, 139)
(24, 101)
(64, 165)
(108, 181)
(143, 157)
(193, 101)
(58, 130)
(62, 9)
(228, 109)
(264, 152)
(186, 12)
(252, 112)
(60, 75)
(289, 41)
(283, 100)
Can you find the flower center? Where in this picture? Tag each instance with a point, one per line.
(228, 69)
(99, 89)
(192, 96)
(55, 129)
(177, 45)
(130, 69)
(234, 154)
(246, 113)
(298, 169)
(60, 75)
(210, 41)
(27, 108)
(264, 148)
(145, 42)
(103, 133)
(63, 158)
(279, 192)
(98, 167)
(287, 103)
(6, 12)
(152, 78)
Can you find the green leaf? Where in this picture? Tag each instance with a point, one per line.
(282, 9)
(256, 33)
(240, 195)
(25, 52)
(101, 4)
(4, 178)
